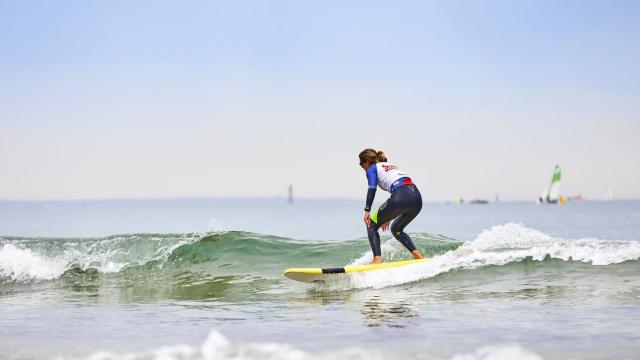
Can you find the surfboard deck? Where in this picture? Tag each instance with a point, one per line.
(315, 275)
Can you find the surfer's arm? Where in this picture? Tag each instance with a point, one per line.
(372, 179)
(371, 194)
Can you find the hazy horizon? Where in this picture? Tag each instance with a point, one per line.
(198, 99)
(380, 197)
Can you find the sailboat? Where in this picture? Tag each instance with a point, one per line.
(551, 195)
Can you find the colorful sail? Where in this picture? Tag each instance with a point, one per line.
(554, 188)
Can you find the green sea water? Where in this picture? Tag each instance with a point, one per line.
(526, 287)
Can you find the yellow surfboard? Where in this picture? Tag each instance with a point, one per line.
(320, 275)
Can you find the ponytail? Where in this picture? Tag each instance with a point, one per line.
(371, 156)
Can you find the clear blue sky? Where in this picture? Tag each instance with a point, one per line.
(103, 99)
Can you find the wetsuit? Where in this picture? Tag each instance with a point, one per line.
(403, 205)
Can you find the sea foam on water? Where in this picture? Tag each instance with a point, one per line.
(219, 347)
(18, 264)
(499, 245)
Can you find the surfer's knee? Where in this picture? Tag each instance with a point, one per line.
(404, 239)
(396, 229)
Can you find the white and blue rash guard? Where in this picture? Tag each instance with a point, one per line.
(388, 177)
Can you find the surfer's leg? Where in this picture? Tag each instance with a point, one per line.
(412, 206)
(374, 239)
(385, 213)
(397, 230)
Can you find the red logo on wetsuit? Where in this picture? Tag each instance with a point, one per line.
(388, 167)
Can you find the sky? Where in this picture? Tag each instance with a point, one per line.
(165, 99)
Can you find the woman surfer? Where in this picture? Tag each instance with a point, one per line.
(403, 205)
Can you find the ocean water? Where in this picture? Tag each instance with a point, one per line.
(202, 279)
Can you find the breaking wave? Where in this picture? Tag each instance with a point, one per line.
(201, 266)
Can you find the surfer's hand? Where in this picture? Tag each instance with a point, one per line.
(385, 226)
(367, 218)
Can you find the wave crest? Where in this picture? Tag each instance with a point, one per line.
(23, 265)
(497, 246)
(182, 259)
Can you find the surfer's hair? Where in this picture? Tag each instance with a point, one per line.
(372, 156)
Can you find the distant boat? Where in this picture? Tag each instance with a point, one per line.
(551, 195)
(609, 195)
(479, 201)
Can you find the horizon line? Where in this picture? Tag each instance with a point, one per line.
(105, 199)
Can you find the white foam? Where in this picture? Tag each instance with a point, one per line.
(24, 265)
(386, 248)
(27, 262)
(215, 227)
(219, 347)
(504, 352)
(499, 245)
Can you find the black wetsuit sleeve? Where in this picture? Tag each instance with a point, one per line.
(372, 180)
(371, 194)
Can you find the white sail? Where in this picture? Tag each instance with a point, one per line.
(543, 196)
(554, 188)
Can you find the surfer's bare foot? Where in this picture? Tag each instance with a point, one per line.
(377, 260)
(416, 254)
